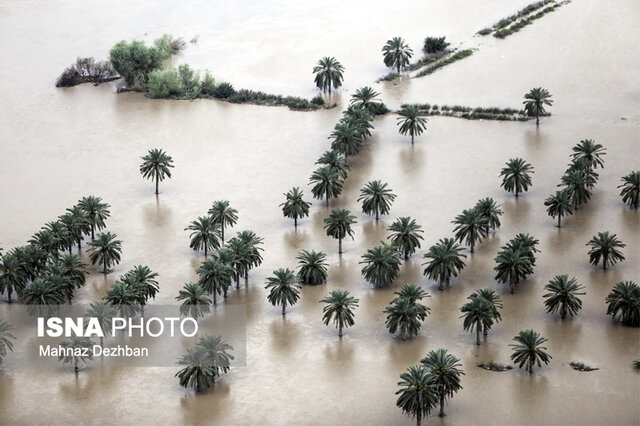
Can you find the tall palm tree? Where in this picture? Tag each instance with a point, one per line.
(195, 302)
(405, 234)
(527, 246)
(77, 222)
(471, 226)
(583, 165)
(97, 212)
(559, 204)
(197, 373)
(12, 276)
(376, 198)
(338, 225)
(5, 335)
(312, 267)
(516, 176)
(336, 161)
(253, 242)
(396, 53)
(445, 261)
(228, 258)
(529, 350)
(381, 264)
(495, 303)
(404, 315)
(156, 165)
(61, 235)
(576, 184)
(218, 355)
(359, 118)
(215, 277)
(512, 265)
(605, 247)
(339, 307)
(103, 312)
(478, 315)
(43, 297)
(444, 373)
(223, 214)
(563, 295)
(146, 283)
(490, 210)
(242, 258)
(624, 302)
(32, 260)
(56, 275)
(366, 98)
(295, 207)
(590, 151)
(328, 74)
(411, 122)
(535, 101)
(124, 296)
(284, 288)
(106, 250)
(46, 242)
(74, 269)
(327, 184)
(346, 138)
(417, 393)
(205, 234)
(630, 192)
(76, 347)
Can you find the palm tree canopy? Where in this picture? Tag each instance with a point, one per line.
(630, 192)
(197, 373)
(195, 301)
(365, 97)
(381, 264)
(205, 234)
(404, 315)
(284, 288)
(295, 207)
(590, 151)
(105, 249)
(563, 295)
(445, 260)
(444, 371)
(471, 226)
(376, 198)
(336, 161)
(405, 234)
(338, 224)
(215, 275)
(490, 210)
(218, 356)
(477, 314)
(535, 101)
(528, 351)
(346, 138)
(12, 275)
(223, 214)
(156, 165)
(97, 211)
(623, 303)
(417, 394)
(605, 247)
(410, 121)
(327, 183)
(5, 336)
(328, 73)
(396, 53)
(312, 267)
(559, 204)
(516, 175)
(339, 307)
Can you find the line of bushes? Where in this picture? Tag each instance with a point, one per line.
(428, 60)
(504, 22)
(473, 113)
(505, 32)
(453, 58)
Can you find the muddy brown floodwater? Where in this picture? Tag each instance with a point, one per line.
(61, 144)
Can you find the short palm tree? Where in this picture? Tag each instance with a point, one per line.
(584, 165)
(535, 101)
(624, 303)
(156, 165)
(242, 258)
(405, 234)
(529, 350)
(471, 227)
(46, 242)
(630, 192)
(197, 373)
(97, 212)
(559, 204)
(195, 302)
(223, 214)
(312, 267)
(218, 355)
(413, 293)
(338, 225)
(346, 138)
(411, 122)
(124, 296)
(339, 307)
(512, 265)
(215, 277)
(575, 182)
(12, 275)
(495, 303)
(444, 374)
(146, 283)
(106, 249)
(336, 161)
(253, 242)
(526, 244)
(61, 235)
(32, 260)
(77, 222)
(43, 297)
(605, 247)
(490, 210)
(295, 206)
(590, 151)
(284, 288)
(56, 275)
(77, 346)
(359, 118)
(366, 98)
(205, 234)
(405, 316)
(376, 198)
(328, 74)
(381, 264)
(5, 336)
(326, 184)
(445, 261)
(417, 393)
(478, 315)
(516, 176)
(563, 295)
(228, 258)
(396, 53)
(103, 312)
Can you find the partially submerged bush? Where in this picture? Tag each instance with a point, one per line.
(434, 45)
(453, 58)
(224, 91)
(134, 61)
(581, 366)
(86, 70)
(494, 366)
(165, 84)
(208, 84)
(379, 108)
(317, 100)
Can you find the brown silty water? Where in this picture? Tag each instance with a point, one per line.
(62, 144)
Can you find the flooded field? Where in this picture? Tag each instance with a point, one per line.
(61, 144)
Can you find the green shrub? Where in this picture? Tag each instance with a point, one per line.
(165, 84)
(224, 91)
(434, 44)
(485, 31)
(189, 78)
(208, 84)
(317, 100)
(378, 108)
(167, 45)
(134, 61)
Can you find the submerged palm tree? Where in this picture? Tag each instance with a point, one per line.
(43, 297)
(495, 303)
(590, 151)
(77, 347)
(630, 192)
(295, 207)
(103, 312)
(156, 166)
(376, 198)
(284, 288)
(145, 283)
(535, 102)
(253, 243)
(624, 303)
(124, 296)
(338, 225)
(381, 264)
(195, 302)
(223, 214)
(516, 176)
(444, 374)
(417, 393)
(346, 138)
(478, 315)
(327, 184)
(396, 53)
(445, 261)
(529, 350)
(312, 267)
(205, 234)
(471, 226)
(215, 277)
(197, 373)
(576, 184)
(490, 210)
(336, 161)
(359, 118)
(404, 315)
(77, 222)
(560, 205)
(5, 335)
(405, 234)
(563, 295)
(218, 356)
(105, 250)
(97, 212)
(328, 74)
(365, 97)
(411, 122)
(339, 307)
(605, 247)
(512, 265)
(12, 275)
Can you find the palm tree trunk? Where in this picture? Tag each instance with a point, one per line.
(559, 217)
(70, 247)
(215, 299)
(517, 191)
(284, 307)
(604, 263)
(441, 286)
(411, 138)
(222, 233)
(473, 243)
(377, 214)
(441, 405)
(156, 185)
(419, 418)
(511, 286)
(104, 263)
(205, 251)
(340, 246)
(295, 222)
(79, 244)
(327, 197)
(477, 335)
(537, 119)
(9, 292)
(237, 281)
(102, 342)
(75, 365)
(339, 330)
(531, 368)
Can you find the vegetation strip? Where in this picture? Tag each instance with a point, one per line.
(473, 113)
(581, 366)
(514, 23)
(494, 366)
(449, 60)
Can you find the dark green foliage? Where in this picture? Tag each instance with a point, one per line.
(376, 198)
(223, 214)
(195, 302)
(339, 307)
(103, 312)
(134, 61)
(105, 250)
(224, 90)
(197, 373)
(156, 165)
(165, 84)
(495, 304)
(381, 264)
(512, 265)
(477, 314)
(623, 303)
(508, 26)
(434, 44)
(417, 393)
(295, 207)
(312, 267)
(444, 374)
(535, 102)
(253, 255)
(327, 184)
(97, 212)
(443, 63)
(5, 336)
(490, 210)
(205, 234)
(445, 261)
(346, 138)
(404, 313)
(80, 345)
(125, 295)
(589, 150)
(284, 288)
(516, 175)
(563, 295)
(469, 113)
(411, 122)
(529, 350)
(605, 247)
(630, 192)
(215, 277)
(217, 353)
(167, 45)
(337, 161)
(366, 98)
(471, 226)
(338, 225)
(13, 278)
(317, 100)
(396, 53)
(559, 204)
(405, 235)
(43, 297)
(329, 74)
